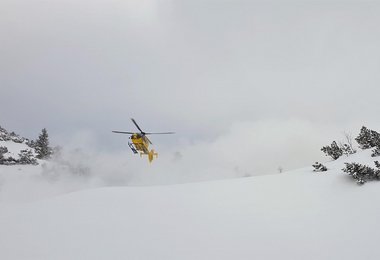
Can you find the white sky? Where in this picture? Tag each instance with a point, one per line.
(209, 70)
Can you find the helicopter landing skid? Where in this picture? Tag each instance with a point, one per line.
(132, 148)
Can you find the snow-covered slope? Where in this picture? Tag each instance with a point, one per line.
(14, 149)
(294, 215)
(15, 145)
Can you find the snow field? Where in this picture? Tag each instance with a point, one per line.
(293, 215)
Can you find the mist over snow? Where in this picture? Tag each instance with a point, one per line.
(246, 149)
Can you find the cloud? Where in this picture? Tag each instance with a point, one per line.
(198, 67)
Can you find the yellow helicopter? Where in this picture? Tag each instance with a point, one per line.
(140, 142)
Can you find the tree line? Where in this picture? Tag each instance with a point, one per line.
(40, 146)
(367, 139)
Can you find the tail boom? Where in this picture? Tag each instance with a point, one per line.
(150, 155)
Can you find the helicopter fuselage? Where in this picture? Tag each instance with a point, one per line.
(140, 142)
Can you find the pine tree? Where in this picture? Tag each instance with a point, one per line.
(368, 138)
(31, 143)
(42, 147)
(334, 151)
(3, 149)
(376, 151)
(362, 173)
(347, 149)
(26, 157)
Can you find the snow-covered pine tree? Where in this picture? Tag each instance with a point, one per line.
(377, 171)
(319, 167)
(1, 158)
(376, 151)
(362, 173)
(3, 149)
(31, 143)
(26, 157)
(43, 150)
(347, 149)
(334, 151)
(368, 138)
(4, 135)
(364, 138)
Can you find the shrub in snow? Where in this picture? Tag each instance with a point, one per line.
(3, 149)
(319, 167)
(362, 173)
(377, 164)
(27, 157)
(16, 138)
(347, 149)
(8, 161)
(360, 182)
(334, 151)
(4, 136)
(376, 151)
(348, 146)
(368, 138)
(42, 147)
(31, 143)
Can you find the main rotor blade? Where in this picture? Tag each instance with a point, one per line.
(148, 139)
(137, 125)
(121, 132)
(165, 133)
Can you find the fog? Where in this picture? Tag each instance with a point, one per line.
(247, 86)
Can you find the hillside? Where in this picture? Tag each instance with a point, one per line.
(15, 149)
(293, 215)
